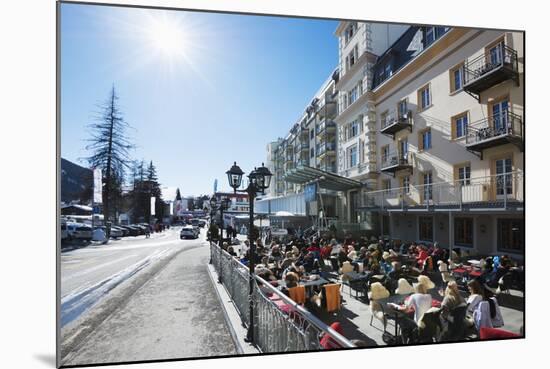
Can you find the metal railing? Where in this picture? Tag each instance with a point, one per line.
(325, 124)
(499, 56)
(497, 190)
(275, 330)
(393, 159)
(327, 146)
(394, 116)
(503, 124)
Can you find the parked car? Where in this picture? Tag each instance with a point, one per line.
(142, 229)
(64, 232)
(79, 231)
(124, 231)
(115, 231)
(202, 223)
(132, 231)
(188, 232)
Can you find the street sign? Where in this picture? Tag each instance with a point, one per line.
(153, 200)
(98, 186)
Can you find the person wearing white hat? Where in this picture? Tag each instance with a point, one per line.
(420, 302)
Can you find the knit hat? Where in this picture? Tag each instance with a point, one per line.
(403, 287)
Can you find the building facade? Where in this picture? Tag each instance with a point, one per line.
(449, 118)
(422, 139)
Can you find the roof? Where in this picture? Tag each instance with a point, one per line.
(303, 174)
(81, 207)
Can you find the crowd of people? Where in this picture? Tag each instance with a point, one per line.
(407, 268)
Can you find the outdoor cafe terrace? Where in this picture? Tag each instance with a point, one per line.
(356, 294)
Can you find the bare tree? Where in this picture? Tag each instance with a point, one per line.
(110, 148)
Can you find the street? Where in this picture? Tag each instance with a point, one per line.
(140, 299)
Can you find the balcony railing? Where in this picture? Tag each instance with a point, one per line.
(394, 161)
(494, 66)
(492, 192)
(395, 121)
(326, 148)
(325, 125)
(496, 130)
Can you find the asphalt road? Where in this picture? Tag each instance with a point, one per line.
(171, 309)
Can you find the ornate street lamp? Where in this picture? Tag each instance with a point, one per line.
(258, 181)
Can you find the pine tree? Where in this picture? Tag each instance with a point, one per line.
(110, 148)
(178, 194)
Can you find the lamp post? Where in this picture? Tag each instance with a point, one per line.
(259, 180)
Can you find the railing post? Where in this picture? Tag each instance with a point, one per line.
(506, 190)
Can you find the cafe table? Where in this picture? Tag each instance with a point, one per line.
(356, 278)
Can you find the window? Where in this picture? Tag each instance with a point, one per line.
(384, 119)
(424, 97)
(504, 185)
(402, 109)
(499, 115)
(385, 153)
(425, 229)
(350, 31)
(464, 232)
(352, 57)
(463, 174)
(387, 70)
(406, 184)
(311, 134)
(352, 156)
(427, 182)
(425, 141)
(429, 36)
(457, 77)
(460, 125)
(510, 235)
(353, 129)
(312, 152)
(353, 95)
(387, 185)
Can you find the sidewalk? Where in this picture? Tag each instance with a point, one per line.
(176, 314)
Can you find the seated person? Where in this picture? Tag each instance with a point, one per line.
(420, 302)
(487, 313)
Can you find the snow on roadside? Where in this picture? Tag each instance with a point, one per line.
(78, 301)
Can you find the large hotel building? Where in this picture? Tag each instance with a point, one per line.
(418, 135)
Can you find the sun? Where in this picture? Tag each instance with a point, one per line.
(166, 35)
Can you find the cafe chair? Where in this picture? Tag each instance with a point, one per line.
(332, 298)
(298, 294)
(377, 292)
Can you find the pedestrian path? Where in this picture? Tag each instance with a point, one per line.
(176, 314)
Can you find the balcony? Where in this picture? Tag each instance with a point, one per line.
(325, 127)
(325, 149)
(395, 161)
(494, 131)
(493, 67)
(395, 122)
(498, 192)
(304, 133)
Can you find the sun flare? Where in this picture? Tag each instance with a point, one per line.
(167, 36)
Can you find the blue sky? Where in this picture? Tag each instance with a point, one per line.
(236, 83)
